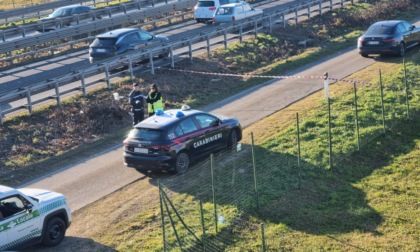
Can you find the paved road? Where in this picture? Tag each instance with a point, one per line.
(91, 179)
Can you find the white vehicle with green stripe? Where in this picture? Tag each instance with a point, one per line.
(29, 216)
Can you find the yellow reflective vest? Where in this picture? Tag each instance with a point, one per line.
(153, 107)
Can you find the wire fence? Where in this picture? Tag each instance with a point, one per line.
(219, 204)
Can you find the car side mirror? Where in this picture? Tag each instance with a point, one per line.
(29, 207)
(215, 123)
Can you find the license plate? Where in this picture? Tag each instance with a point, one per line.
(100, 50)
(141, 150)
(373, 42)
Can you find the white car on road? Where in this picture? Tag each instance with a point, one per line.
(205, 9)
(233, 12)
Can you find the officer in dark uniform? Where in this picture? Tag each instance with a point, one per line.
(136, 101)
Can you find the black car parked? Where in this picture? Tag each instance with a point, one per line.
(171, 140)
(120, 41)
(388, 37)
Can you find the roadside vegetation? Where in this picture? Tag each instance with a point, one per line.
(368, 203)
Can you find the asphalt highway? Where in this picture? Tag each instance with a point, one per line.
(27, 75)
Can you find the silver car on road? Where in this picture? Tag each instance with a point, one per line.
(233, 12)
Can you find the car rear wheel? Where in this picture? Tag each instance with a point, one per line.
(233, 138)
(401, 50)
(182, 163)
(54, 233)
(364, 55)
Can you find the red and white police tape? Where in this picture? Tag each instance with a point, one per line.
(266, 76)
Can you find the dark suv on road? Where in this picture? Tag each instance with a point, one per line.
(120, 41)
(173, 139)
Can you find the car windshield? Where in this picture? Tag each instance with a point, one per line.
(146, 134)
(377, 30)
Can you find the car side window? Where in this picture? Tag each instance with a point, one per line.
(406, 26)
(188, 126)
(132, 37)
(12, 205)
(205, 120)
(77, 10)
(145, 36)
(239, 10)
(247, 7)
(401, 28)
(66, 12)
(225, 11)
(178, 131)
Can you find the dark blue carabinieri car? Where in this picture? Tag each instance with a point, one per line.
(388, 37)
(173, 139)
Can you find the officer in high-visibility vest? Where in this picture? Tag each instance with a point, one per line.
(154, 100)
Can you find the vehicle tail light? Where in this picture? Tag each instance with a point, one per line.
(126, 143)
(390, 40)
(212, 8)
(160, 147)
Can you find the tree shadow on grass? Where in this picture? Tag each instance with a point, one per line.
(312, 200)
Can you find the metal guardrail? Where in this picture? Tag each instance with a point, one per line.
(107, 66)
(21, 12)
(89, 39)
(48, 25)
(35, 10)
(27, 44)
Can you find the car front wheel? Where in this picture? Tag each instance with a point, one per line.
(55, 230)
(233, 138)
(182, 163)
